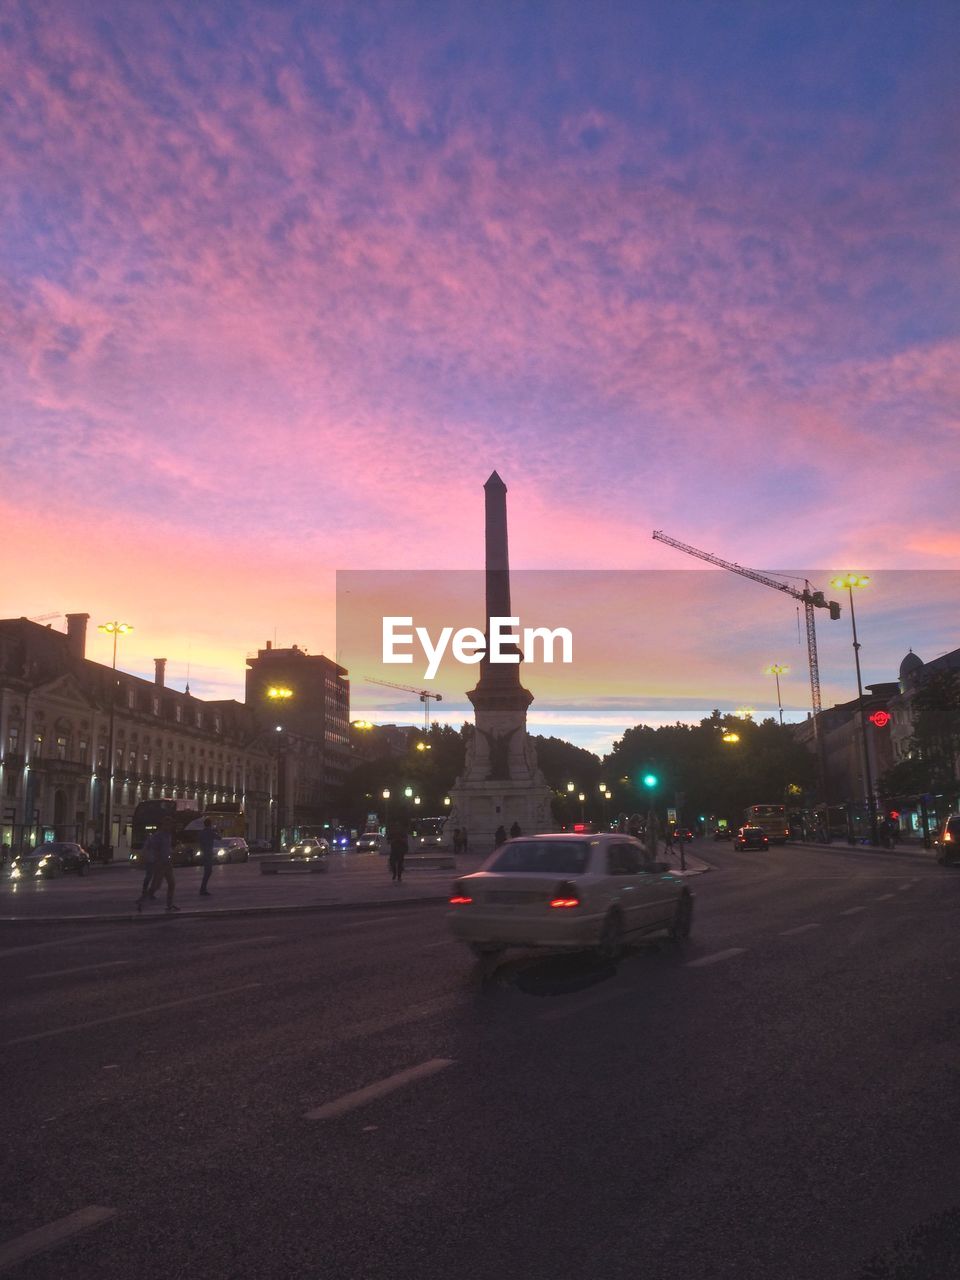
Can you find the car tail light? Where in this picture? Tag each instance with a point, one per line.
(460, 897)
(948, 837)
(565, 896)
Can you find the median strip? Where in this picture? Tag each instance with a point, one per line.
(350, 1101)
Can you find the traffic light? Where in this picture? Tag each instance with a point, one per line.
(818, 599)
(834, 611)
(650, 780)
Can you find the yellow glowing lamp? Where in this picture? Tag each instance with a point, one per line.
(279, 692)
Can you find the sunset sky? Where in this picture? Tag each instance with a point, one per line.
(282, 283)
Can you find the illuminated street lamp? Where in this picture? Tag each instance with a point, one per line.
(730, 736)
(570, 787)
(386, 806)
(114, 629)
(744, 713)
(581, 797)
(280, 695)
(424, 746)
(775, 669)
(851, 580)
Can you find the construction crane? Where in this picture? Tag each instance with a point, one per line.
(425, 696)
(45, 617)
(811, 600)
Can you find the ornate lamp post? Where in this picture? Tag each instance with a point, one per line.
(114, 629)
(851, 580)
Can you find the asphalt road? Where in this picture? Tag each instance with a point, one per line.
(777, 1098)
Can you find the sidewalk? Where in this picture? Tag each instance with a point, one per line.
(352, 880)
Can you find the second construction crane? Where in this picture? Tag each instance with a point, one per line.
(810, 599)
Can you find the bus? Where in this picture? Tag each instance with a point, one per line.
(772, 819)
(228, 817)
(148, 814)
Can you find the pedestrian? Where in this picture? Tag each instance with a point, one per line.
(515, 830)
(464, 837)
(457, 841)
(207, 840)
(148, 856)
(399, 848)
(668, 838)
(499, 836)
(163, 865)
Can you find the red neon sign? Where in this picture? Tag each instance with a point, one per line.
(881, 719)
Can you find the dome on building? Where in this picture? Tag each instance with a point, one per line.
(910, 666)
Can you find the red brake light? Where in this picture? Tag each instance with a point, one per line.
(460, 897)
(565, 896)
(947, 837)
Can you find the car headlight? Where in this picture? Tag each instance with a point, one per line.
(221, 853)
(15, 873)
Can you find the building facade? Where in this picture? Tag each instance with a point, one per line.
(60, 712)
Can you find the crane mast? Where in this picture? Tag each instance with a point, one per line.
(810, 600)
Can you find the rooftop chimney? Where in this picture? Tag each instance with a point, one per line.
(160, 666)
(77, 634)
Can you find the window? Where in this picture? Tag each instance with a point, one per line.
(198, 716)
(623, 860)
(84, 747)
(178, 713)
(156, 705)
(13, 740)
(217, 723)
(61, 746)
(131, 698)
(556, 857)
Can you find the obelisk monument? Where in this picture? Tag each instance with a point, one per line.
(501, 783)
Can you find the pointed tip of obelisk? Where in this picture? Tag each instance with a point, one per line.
(495, 482)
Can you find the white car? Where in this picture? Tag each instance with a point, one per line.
(371, 842)
(568, 892)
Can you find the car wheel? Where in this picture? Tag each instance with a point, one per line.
(682, 918)
(611, 937)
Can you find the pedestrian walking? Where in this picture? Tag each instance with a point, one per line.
(163, 865)
(515, 830)
(399, 847)
(499, 836)
(148, 856)
(207, 841)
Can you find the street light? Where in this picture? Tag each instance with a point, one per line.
(851, 580)
(581, 798)
(114, 629)
(775, 669)
(280, 695)
(744, 713)
(730, 736)
(385, 793)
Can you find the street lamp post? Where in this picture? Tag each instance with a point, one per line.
(581, 797)
(280, 695)
(385, 793)
(775, 669)
(851, 580)
(114, 629)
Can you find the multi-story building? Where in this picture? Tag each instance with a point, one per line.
(60, 711)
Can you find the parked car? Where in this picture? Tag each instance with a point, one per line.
(371, 842)
(228, 849)
(48, 860)
(568, 892)
(948, 841)
(751, 838)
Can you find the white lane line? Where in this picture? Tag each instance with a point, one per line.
(716, 957)
(350, 1101)
(134, 1013)
(801, 928)
(885, 897)
(905, 887)
(444, 942)
(16, 1251)
(373, 1026)
(852, 911)
(58, 942)
(237, 942)
(568, 1010)
(65, 973)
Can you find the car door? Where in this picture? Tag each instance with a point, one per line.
(660, 889)
(625, 875)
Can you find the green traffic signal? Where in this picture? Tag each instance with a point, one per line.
(649, 779)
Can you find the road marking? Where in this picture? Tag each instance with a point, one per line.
(134, 1013)
(350, 1101)
(716, 957)
(444, 942)
(238, 942)
(852, 911)
(16, 1251)
(568, 1010)
(65, 973)
(905, 887)
(885, 897)
(58, 942)
(371, 1026)
(801, 928)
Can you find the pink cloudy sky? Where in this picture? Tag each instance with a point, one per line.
(281, 283)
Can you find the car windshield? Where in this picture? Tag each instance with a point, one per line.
(554, 857)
